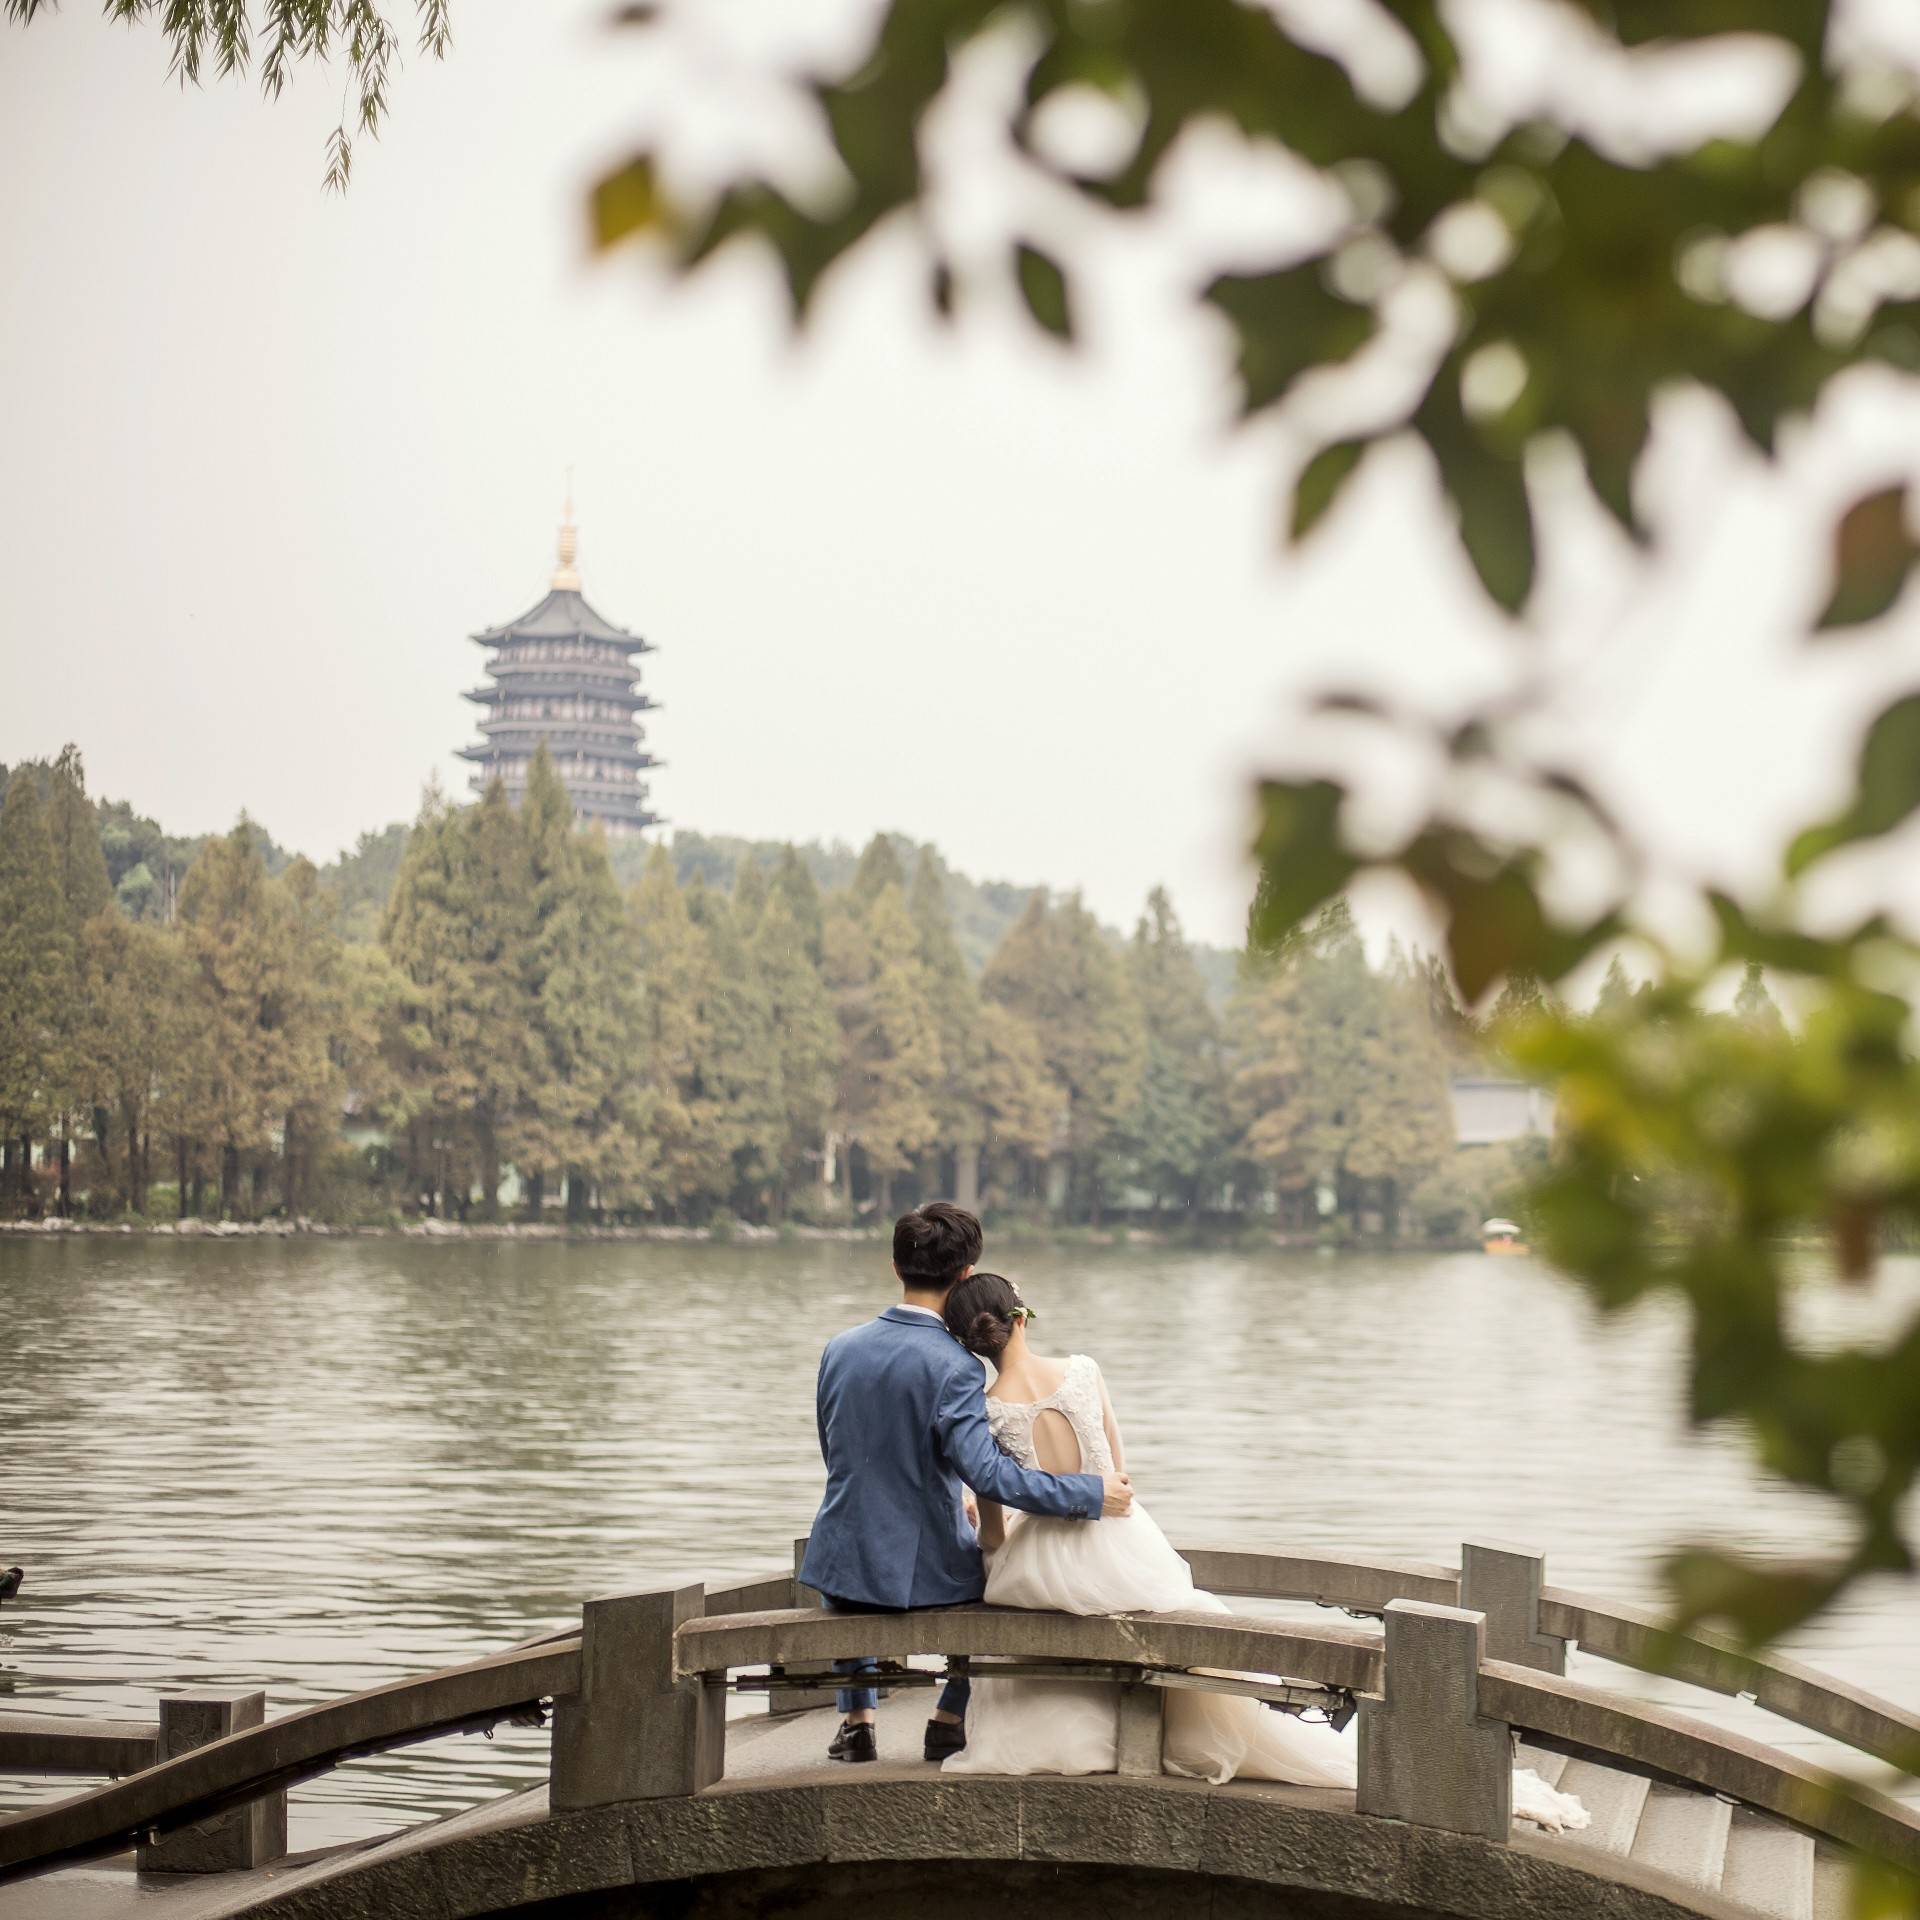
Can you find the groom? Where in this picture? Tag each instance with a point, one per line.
(903, 1427)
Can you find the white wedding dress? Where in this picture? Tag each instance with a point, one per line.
(1129, 1566)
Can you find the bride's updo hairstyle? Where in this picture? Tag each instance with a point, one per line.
(981, 1311)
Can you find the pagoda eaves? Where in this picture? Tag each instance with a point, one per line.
(565, 676)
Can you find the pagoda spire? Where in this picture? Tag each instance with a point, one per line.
(566, 575)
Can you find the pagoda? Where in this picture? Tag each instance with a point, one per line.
(564, 674)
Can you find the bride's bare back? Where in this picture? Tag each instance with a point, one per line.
(1055, 1447)
(1028, 1380)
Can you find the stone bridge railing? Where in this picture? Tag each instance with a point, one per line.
(1464, 1658)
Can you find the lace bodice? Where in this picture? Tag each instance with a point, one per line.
(1077, 1398)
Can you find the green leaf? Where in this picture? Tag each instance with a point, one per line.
(1288, 322)
(1044, 288)
(1887, 794)
(1496, 924)
(1873, 551)
(626, 202)
(1320, 483)
(1496, 526)
(805, 247)
(1487, 485)
(1757, 1604)
(1783, 948)
(1611, 436)
(1302, 861)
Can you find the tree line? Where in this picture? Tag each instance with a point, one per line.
(525, 1034)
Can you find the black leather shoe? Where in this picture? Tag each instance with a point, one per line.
(944, 1739)
(854, 1741)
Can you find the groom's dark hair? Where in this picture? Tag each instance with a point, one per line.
(935, 1244)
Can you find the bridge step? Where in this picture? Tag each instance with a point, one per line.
(1684, 1834)
(1613, 1801)
(1769, 1867)
(1549, 1766)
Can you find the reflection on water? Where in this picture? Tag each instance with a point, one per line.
(320, 1465)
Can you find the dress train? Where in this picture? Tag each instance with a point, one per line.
(1129, 1566)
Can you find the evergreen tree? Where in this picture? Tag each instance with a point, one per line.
(136, 989)
(1175, 1134)
(585, 1001)
(79, 863)
(420, 935)
(1521, 996)
(368, 1007)
(1616, 994)
(879, 869)
(313, 1015)
(1058, 972)
(1264, 1079)
(682, 1115)
(36, 957)
(744, 1059)
(240, 944)
(793, 881)
(495, 1054)
(1336, 1013)
(543, 1137)
(806, 1043)
(80, 869)
(1403, 1113)
(749, 897)
(890, 1043)
(1339, 1077)
(960, 1116)
(183, 1097)
(1458, 1034)
(1023, 1109)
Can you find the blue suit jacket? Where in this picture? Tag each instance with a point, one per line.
(903, 1422)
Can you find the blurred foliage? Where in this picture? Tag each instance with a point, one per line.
(222, 37)
(1696, 1152)
(1583, 277)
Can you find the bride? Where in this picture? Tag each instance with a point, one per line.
(1055, 1416)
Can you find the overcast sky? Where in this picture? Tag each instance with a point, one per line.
(268, 457)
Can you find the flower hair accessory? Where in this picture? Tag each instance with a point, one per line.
(1022, 1313)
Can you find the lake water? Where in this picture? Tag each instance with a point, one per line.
(318, 1465)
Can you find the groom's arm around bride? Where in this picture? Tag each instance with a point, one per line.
(903, 1429)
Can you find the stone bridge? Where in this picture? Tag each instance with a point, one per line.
(660, 1803)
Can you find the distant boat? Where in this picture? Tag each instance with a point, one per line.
(1502, 1236)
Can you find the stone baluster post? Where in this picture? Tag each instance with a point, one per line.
(1504, 1582)
(637, 1729)
(1142, 1729)
(1426, 1754)
(248, 1836)
(800, 1699)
